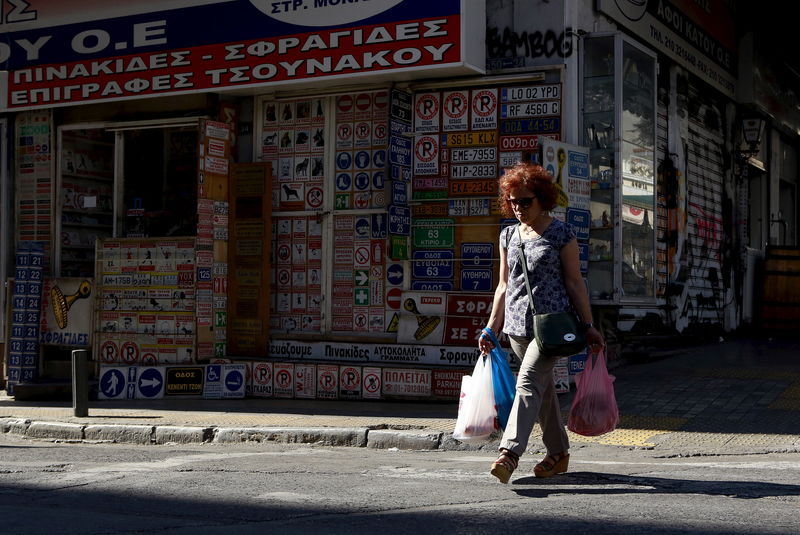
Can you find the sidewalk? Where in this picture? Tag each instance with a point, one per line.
(739, 396)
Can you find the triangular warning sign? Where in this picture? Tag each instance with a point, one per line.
(393, 324)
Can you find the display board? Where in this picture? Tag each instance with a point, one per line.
(249, 254)
(146, 304)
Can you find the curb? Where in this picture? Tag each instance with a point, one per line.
(354, 437)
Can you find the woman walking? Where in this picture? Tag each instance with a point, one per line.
(551, 254)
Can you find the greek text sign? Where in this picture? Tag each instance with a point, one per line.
(66, 52)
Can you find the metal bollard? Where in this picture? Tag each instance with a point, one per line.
(80, 383)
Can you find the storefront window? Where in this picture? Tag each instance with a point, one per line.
(86, 201)
(619, 129)
(638, 172)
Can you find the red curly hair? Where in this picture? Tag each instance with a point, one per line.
(529, 176)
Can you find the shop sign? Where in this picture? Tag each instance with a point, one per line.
(342, 352)
(432, 264)
(469, 139)
(530, 92)
(433, 233)
(545, 125)
(108, 51)
(530, 109)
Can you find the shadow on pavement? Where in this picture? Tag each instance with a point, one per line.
(649, 485)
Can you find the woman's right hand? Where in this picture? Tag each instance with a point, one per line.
(485, 344)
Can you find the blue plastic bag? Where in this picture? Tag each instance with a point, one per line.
(503, 381)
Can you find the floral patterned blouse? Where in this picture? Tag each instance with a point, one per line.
(544, 270)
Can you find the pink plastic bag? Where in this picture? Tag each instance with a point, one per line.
(594, 410)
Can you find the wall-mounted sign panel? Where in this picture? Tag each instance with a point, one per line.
(112, 51)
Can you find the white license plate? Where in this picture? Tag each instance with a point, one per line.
(530, 109)
(473, 154)
(470, 170)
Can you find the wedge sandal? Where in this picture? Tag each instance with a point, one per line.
(505, 465)
(552, 465)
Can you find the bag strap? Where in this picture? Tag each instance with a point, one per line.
(508, 235)
(525, 271)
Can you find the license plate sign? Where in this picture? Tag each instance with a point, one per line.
(463, 188)
(470, 170)
(469, 139)
(473, 154)
(530, 109)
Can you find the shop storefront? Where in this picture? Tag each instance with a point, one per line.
(311, 192)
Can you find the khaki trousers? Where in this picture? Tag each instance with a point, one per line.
(535, 400)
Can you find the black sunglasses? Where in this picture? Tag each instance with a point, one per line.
(524, 202)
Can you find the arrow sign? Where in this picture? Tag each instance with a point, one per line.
(394, 274)
(362, 278)
(151, 384)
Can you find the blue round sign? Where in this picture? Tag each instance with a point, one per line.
(343, 181)
(362, 159)
(234, 380)
(112, 383)
(362, 181)
(151, 382)
(344, 160)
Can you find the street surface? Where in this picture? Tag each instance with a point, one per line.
(49, 487)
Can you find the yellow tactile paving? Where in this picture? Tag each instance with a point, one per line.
(634, 431)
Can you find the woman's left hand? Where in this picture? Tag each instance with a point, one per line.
(594, 340)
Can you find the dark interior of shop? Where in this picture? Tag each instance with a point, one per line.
(160, 177)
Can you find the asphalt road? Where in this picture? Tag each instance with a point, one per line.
(90, 489)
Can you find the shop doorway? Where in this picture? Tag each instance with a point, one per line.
(159, 182)
(123, 180)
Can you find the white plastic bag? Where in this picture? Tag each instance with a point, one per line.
(477, 415)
